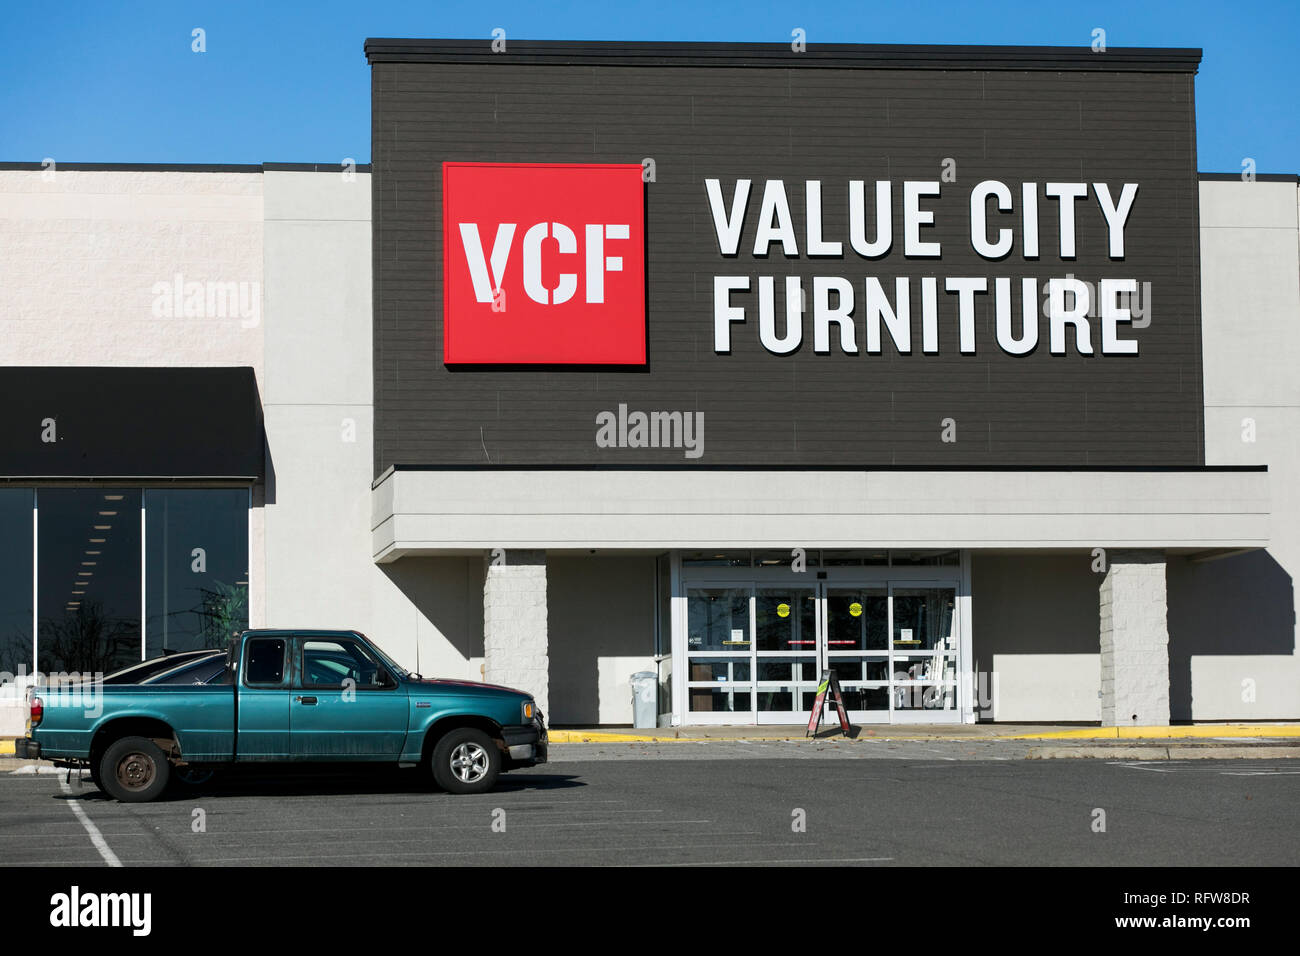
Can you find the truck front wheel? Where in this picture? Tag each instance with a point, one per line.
(466, 761)
(134, 770)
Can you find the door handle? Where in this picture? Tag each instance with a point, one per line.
(305, 700)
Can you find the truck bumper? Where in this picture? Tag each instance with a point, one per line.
(27, 749)
(526, 744)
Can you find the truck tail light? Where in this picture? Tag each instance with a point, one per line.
(36, 713)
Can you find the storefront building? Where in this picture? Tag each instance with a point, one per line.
(942, 367)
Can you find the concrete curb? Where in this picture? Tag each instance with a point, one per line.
(1174, 752)
(1199, 732)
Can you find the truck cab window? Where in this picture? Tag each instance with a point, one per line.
(341, 664)
(265, 661)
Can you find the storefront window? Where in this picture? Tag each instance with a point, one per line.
(717, 619)
(16, 581)
(92, 562)
(716, 559)
(664, 632)
(925, 558)
(715, 700)
(723, 670)
(785, 619)
(196, 567)
(890, 638)
(89, 572)
(785, 558)
(923, 618)
(857, 619)
(849, 559)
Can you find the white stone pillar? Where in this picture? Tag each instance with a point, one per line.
(1134, 640)
(514, 624)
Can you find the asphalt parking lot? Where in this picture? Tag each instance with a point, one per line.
(690, 806)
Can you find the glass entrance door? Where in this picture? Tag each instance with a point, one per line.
(719, 655)
(856, 645)
(788, 658)
(923, 649)
(756, 649)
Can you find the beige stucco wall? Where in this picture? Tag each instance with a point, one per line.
(1233, 622)
(83, 252)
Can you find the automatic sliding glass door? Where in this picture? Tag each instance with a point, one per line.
(923, 645)
(857, 646)
(756, 649)
(719, 654)
(786, 627)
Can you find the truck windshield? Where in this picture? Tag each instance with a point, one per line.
(397, 669)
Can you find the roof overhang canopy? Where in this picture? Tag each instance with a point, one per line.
(473, 509)
(130, 423)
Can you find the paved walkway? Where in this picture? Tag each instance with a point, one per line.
(1234, 732)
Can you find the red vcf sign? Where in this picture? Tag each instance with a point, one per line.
(543, 264)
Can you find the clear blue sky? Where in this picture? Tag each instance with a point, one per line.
(284, 82)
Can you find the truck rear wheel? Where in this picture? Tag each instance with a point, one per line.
(134, 770)
(466, 761)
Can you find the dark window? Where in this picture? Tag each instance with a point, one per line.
(265, 663)
(196, 567)
(89, 578)
(16, 580)
(946, 558)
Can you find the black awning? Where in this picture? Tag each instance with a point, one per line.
(130, 423)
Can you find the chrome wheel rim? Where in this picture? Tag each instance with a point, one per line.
(469, 762)
(135, 771)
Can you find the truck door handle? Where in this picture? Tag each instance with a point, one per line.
(305, 700)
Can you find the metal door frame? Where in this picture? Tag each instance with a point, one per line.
(819, 580)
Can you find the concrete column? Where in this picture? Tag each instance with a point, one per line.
(1134, 640)
(514, 624)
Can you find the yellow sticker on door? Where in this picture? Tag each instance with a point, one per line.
(783, 610)
(855, 609)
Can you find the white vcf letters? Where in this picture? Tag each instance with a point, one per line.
(597, 263)
(469, 238)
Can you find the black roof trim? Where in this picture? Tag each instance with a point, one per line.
(128, 481)
(188, 167)
(311, 167)
(840, 55)
(1259, 177)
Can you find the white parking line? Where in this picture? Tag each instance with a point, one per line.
(827, 861)
(96, 837)
(1181, 766)
(1258, 773)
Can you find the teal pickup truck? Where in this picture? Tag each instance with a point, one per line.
(286, 696)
